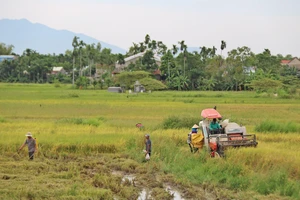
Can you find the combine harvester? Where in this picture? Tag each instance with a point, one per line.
(230, 135)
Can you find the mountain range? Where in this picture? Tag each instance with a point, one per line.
(23, 34)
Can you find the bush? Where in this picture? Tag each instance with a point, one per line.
(175, 122)
(265, 85)
(82, 82)
(127, 79)
(271, 126)
(152, 84)
(56, 83)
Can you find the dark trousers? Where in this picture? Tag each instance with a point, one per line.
(31, 155)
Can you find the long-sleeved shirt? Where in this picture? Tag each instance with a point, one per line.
(214, 126)
(31, 144)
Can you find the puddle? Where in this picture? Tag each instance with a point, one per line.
(175, 193)
(125, 177)
(146, 192)
(129, 177)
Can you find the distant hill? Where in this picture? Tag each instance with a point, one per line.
(23, 34)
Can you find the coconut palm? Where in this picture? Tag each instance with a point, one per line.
(223, 46)
(147, 39)
(174, 50)
(153, 45)
(183, 49)
(213, 51)
(142, 47)
(91, 51)
(74, 54)
(81, 45)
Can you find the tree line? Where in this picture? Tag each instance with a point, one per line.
(180, 69)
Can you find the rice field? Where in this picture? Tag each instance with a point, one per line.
(88, 142)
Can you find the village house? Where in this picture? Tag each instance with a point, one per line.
(295, 62)
(133, 59)
(58, 70)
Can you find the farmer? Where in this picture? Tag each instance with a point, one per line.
(31, 143)
(194, 131)
(214, 126)
(148, 146)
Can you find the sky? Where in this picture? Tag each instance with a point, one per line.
(258, 24)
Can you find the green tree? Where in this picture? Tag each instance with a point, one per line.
(6, 49)
(149, 61)
(80, 47)
(120, 59)
(266, 85)
(267, 62)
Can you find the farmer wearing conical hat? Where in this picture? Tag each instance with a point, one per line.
(194, 131)
(31, 143)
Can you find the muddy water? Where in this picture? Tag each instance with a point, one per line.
(146, 193)
(175, 193)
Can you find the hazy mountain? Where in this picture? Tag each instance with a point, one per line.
(23, 34)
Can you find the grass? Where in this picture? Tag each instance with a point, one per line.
(272, 126)
(84, 135)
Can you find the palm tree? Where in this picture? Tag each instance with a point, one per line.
(74, 53)
(223, 46)
(213, 51)
(142, 47)
(90, 49)
(153, 45)
(174, 50)
(183, 48)
(147, 39)
(162, 48)
(203, 53)
(135, 48)
(81, 45)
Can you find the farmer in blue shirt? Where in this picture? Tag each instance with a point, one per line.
(214, 126)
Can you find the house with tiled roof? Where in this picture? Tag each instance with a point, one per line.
(295, 62)
(285, 62)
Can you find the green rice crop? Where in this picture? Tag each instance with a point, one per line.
(84, 134)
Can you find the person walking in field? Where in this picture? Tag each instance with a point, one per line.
(31, 143)
(148, 147)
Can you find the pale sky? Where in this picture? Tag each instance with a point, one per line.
(258, 24)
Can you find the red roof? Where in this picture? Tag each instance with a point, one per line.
(210, 113)
(285, 61)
